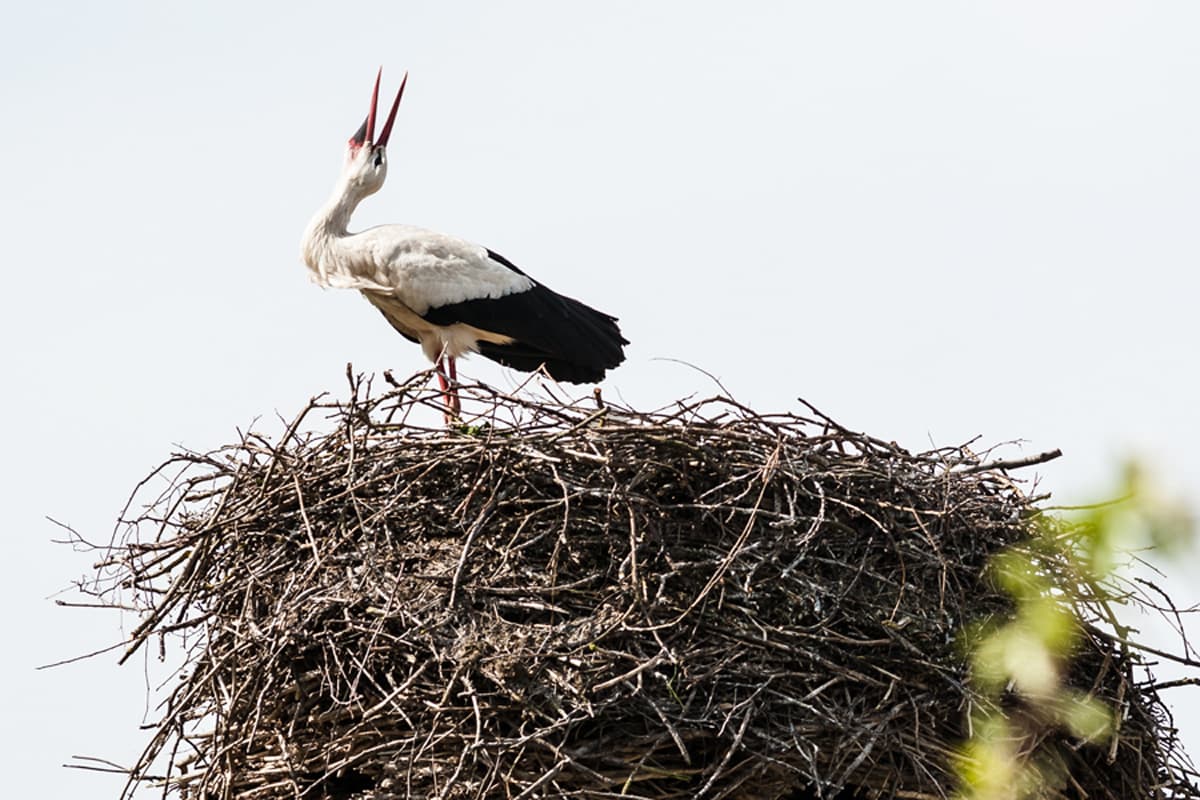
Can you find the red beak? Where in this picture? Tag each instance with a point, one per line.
(387, 126)
(366, 134)
(371, 111)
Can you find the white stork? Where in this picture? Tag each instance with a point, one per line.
(449, 295)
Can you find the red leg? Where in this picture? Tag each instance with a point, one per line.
(455, 403)
(447, 373)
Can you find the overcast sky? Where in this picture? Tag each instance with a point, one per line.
(933, 220)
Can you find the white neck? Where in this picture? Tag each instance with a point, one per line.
(329, 224)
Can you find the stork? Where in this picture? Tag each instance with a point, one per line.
(449, 295)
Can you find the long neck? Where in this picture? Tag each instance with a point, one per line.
(330, 223)
(333, 218)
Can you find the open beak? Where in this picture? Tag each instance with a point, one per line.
(366, 133)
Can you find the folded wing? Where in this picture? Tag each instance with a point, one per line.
(575, 342)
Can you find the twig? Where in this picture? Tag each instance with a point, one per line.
(1014, 463)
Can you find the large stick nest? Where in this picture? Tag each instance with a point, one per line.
(582, 601)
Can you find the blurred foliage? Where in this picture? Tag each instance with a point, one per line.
(1018, 665)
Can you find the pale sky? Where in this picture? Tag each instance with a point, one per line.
(933, 220)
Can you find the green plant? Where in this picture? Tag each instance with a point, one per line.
(1072, 569)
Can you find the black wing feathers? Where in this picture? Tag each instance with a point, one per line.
(575, 342)
(499, 259)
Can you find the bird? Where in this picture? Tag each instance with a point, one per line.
(449, 295)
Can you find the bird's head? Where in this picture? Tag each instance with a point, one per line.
(366, 155)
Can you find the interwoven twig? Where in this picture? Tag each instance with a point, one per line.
(579, 600)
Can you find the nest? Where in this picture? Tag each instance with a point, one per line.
(577, 600)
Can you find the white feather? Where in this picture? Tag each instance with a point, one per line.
(420, 268)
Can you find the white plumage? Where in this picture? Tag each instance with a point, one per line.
(420, 268)
(451, 296)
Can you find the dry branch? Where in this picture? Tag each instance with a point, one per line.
(565, 601)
